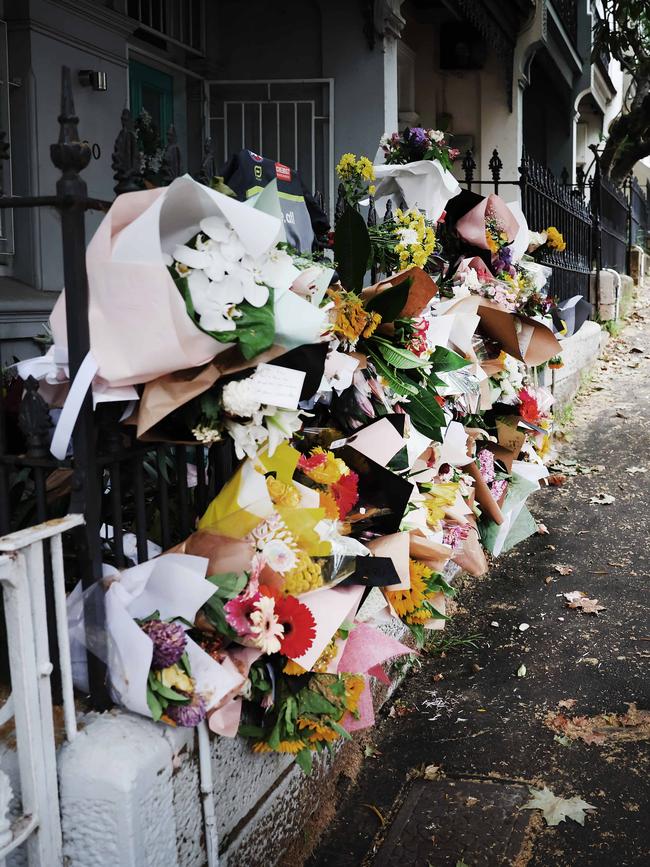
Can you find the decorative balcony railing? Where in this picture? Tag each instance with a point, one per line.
(181, 22)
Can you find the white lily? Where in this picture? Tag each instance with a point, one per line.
(281, 424)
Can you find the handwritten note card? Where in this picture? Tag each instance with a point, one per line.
(278, 386)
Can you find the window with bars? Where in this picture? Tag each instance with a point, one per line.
(181, 22)
(6, 216)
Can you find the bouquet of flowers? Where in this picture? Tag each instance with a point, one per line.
(415, 143)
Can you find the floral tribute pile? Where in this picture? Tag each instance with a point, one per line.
(386, 437)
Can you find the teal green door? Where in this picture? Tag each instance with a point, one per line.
(153, 91)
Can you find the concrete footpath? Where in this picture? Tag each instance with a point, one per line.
(522, 690)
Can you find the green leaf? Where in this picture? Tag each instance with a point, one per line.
(228, 584)
(155, 706)
(443, 360)
(250, 731)
(351, 248)
(344, 733)
(255, 327)
(314, 702)
(400, 358)
(304, 761)
(399, 385)
(166, 692)
(426, 414)
(390, 303)
(418, 632)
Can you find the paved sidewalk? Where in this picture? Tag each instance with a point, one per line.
(489, 730)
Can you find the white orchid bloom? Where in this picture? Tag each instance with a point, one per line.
(255, 293)
(191, 257)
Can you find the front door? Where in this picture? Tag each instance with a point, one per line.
(152, 90)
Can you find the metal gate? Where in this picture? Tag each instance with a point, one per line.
(288, 120)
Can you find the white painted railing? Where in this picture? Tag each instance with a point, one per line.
(22, 577)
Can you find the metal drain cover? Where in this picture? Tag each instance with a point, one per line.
(442, 822)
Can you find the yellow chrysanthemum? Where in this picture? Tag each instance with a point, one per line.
(346, 166)
(328, 472)
(352, 320)
(405, 601)
(555, 239)
(366, 169)
(316, 731)
(306, 575)
(292, 747)
(282, 494)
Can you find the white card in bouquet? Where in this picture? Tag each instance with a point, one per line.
(278, 386)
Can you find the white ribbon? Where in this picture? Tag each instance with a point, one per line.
(71, 407)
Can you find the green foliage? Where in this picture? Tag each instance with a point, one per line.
(351, 249)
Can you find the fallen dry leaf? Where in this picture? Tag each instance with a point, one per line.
(631, 726)
(432, 772)
(542, 529)
(567, 703)
(563, 570)
(601, 499)
(578, 599)
(556, 810)
(556, 480)
(633, 470)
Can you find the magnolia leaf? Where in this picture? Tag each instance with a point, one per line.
(399, 385)
(390, 303)
(556, 810)
(427, 415)
(399, 357)
(445, 360)
(351, 248)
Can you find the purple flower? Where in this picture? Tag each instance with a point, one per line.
(169, 642)
(418, 135)
(187, 715)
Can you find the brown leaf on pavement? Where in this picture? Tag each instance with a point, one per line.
(580, 600)
(563, 570)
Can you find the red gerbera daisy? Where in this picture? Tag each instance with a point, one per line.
(346, 492)
(299, 626)
(310, 463)
(528, 410)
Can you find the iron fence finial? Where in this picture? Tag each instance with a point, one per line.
(69, 154)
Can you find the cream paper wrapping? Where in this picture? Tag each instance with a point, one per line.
(139, 326)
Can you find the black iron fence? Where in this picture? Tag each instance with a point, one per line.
(639, 214)
(153, 491)
(599, 221)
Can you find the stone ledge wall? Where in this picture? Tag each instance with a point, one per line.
(130, 794)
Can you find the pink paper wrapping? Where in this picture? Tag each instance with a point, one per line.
(224, 720)
(365, 651)
(471, 227)
(139, 327)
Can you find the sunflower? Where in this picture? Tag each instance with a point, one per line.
(317, 731)
(405, 601)
(283, 747)
(354, 686)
